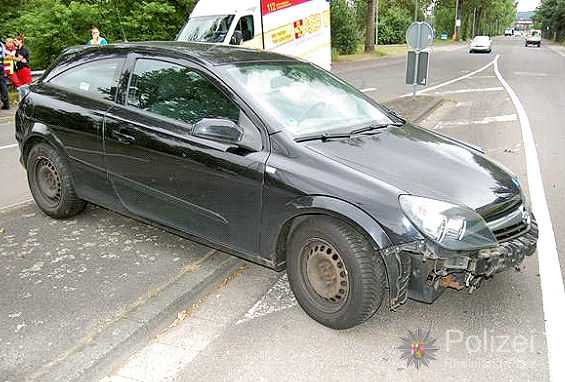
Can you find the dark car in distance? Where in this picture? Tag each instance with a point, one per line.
(276, 161)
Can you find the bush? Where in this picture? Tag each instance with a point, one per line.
(345, 30)
(393, 23)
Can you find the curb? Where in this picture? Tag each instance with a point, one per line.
(402, 106)
(98, 355)
(430, 109)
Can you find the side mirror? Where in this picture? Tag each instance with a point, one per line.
(220, 130)
(237, 38)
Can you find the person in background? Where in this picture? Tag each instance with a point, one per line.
(4, 97)
(96, 38)
(10, 61)
(22, 66)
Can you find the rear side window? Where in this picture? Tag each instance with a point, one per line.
(98, 78)
(177, 92)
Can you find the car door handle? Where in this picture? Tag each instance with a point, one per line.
(123, 137)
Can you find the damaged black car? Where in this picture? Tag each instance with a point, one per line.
(276, 161)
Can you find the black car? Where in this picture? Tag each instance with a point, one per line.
(276, 161)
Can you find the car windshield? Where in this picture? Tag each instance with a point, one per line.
(306, 100)
(482, 39)
(535, 33)
(206, 29)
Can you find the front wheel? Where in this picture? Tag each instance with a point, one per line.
(49, 178)
(334, 272)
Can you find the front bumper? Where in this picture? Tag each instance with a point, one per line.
(425, 271)
(480, 49)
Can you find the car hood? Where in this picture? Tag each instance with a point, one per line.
(419, 162)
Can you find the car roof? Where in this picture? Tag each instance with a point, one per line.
(208, 54)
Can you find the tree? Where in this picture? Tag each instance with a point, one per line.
(53, 25)
(370, 30)
(344, 27)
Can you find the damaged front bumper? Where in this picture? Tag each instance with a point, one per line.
(424, 270)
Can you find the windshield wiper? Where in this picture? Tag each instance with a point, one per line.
(322, 137)
(374, 126)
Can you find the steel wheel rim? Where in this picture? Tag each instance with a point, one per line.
(48, 181)
(325, 274)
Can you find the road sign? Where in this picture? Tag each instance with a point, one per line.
(417, 68)
(419, 35)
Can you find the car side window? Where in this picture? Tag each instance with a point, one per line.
(245, 26)
(97, 78)
(177, 92)
(183, 94)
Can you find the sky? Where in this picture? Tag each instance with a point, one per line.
(527, 5)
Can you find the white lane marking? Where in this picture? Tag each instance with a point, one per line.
(8, 146)
(16, 204)
(446, 83)
(531, 74)
(481, 77)
(279, 297)
(368, 90)
(484, 121)
(477, 90)
(553, 294)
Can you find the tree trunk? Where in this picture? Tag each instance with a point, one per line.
(370, 31)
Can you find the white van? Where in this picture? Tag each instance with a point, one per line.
(299, 28)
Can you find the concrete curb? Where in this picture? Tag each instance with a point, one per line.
(103, 352)
(415, 110)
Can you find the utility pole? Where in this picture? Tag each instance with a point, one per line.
(474, 16)
(457, 30)
(416, 11)
(376, 22)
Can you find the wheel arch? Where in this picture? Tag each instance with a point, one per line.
(306, 207)
(40, 133)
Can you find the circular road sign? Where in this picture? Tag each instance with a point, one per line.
(419, 35)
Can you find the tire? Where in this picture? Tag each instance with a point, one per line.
(49, 178)
(334, 273)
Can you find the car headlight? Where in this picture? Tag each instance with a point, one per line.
(451, 226)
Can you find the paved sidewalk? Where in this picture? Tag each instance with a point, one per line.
(78, 293)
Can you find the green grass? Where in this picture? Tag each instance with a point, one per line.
(380, 51)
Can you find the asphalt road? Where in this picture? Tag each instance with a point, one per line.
(252, 329)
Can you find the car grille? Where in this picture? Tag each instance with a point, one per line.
(509, 221)
(507, 233)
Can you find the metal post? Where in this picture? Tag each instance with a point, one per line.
(416, 14)
(415, 83)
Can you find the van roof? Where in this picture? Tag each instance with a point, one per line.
(222, 7)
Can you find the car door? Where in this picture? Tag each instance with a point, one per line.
(72, 103)
(161, 171)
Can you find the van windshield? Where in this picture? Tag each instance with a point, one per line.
(306, 100)
(211, 29)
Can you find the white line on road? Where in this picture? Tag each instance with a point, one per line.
(553, 294)
(368, 90)
(531, 74)
(484, 121)
(471, 74)
(8, 146)
(477, 90)
(481, 77)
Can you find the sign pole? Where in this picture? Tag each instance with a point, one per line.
(415, 83)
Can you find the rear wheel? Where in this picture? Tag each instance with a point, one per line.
(49, 179)
(335, 274)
